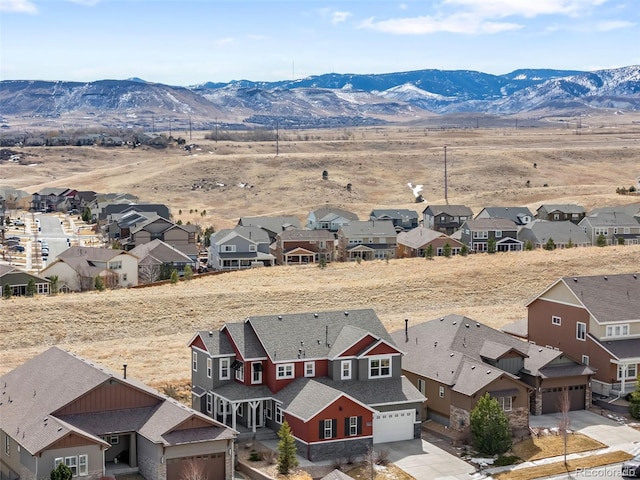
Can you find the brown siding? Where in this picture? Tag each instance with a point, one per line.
(563, 336)
(111, 395)
(192, 422)
(70, 441)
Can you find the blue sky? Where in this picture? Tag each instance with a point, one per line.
(185, 42)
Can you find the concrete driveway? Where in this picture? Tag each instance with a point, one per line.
(595, 426)
(423, 460)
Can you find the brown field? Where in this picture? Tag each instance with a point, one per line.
(149, 328)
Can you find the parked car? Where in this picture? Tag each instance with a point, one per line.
(16, 248)
(18, 223)
(17, 239)
(631, 468)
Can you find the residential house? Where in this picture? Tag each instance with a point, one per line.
(561, 212)
(272, 225)
(564, 234)
(416, 242)
(518, 215)
(615, 227)
(18, 280)
(119, 225)
(182, 237)
(478, 234)
(594, 318)
(632, 209)
(454, 361)
(78, 267)
(329, 218)
(108, 209)
(298, 247)
(157, 257)
(372, 240)
(335, 377)
(51, 199)
(403, 219)
(80, 200)
(103, 199)
(15, 199)
(239, 248)
(446, 218)
(60, 408)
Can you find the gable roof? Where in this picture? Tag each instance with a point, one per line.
(331, 213)
(376, 228)
(451, 350)
(420, 236)
(452, 210)
(271, 224)
(606, 219)
(608, 298)
(400, 214)
(157, 252)
(481, 224)
(306, 235)
(311, 335)
(515, 214)
(252, 234)
(561, 232)
(33, 392)
(91, 254)
(562, 207)
(632, 209)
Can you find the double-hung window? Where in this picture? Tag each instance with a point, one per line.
(380, 367)
(284, 370)
(279, 415)
(581, 331)
(505, 403)
(72, 463)
(209, 366)
(224, 369)
(83, 465)
(345, 370)
(309, 369)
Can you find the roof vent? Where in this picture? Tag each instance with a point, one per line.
(210, 333)
(455, 323)
(466, 325)
(451, 354)
(575, 279)
(488, 372)
(435, 344)
(279, 317)
(539, 349)
(635, 276)
(315, 315)
(473, 367)
(346, 314)
(605, 277)
(441, 318)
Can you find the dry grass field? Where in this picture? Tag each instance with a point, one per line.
(149, 328)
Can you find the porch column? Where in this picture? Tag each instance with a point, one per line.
(133, 453)
(623, 376)
(225, 411)
(254, 408)
(234, 410)
(215, 406)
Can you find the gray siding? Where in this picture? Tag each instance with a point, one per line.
(511, 365)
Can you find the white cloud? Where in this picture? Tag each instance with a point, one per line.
(607, 26)
(524, 8)
(459, 23)
(18, 6)
(223, 41)
(86, 3)
(339, 17)
(254, 36)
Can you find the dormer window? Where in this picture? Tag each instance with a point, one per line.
(345, 370)
(284, 370)
(617, 330)
(380, 367)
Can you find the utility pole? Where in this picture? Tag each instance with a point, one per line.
(189, 127)
(446, 197)
(277, 137)
(216, 129)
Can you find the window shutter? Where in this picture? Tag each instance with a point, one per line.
(334, 427)
(359, 424)
(346, 427)
(321, 429)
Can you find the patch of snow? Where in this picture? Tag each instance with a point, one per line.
(415, 189)
(522, 76)
(482, 461)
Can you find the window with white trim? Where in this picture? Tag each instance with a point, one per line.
(209, 366)
(267, 409)
(345, 370)
(617, 330)
(58, 461)
(114, 439)
(195, 361)
(7, 444)
(115, 265)
(441, 392)
(72, 463)
(309, 369)
(498, 234)
(240, 372)
(585, 359)
(380, 367)
(328, 428)
(225, 368)
(353, 426)
(581, 331)
(209, 403)
(227, 248)
(83, 465)
(279, 415)
(632, 372)
(505, 403)
(284, 370)
(556, 320)
(422, 386)
(256, 372)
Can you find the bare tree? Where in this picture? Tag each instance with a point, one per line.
(564, 424)
(149, 273)
(193, 470)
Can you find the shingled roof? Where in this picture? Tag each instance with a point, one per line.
(34, 393)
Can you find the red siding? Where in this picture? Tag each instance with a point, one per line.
(342, 408)
(322, 368)
(383, 349)
(111, 395)
(198, 343)
(358, 347)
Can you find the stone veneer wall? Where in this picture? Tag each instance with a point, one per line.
(459, 419)
(331, 450)
(150, 469)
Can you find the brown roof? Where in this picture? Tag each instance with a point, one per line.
(34, 391)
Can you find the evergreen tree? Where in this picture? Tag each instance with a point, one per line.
(7, 291)
(99, 283)
(61, 472)
(53, 285)
(188, 272)
(491, 245)
(601, 241)
(174, 277)
(550, 245)
(570, 243)
(528, 246)
(86, 215)
(287, 450)
(446, 250)
(620, 240)
(31, 288)
(490, 427)
(464, 251)
(428, 253)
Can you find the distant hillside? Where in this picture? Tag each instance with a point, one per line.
(330, 100)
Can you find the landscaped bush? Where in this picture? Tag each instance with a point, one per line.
(504, 460)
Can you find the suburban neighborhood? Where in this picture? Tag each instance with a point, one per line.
(341, 384)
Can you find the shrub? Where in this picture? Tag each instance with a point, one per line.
(255, 456)
(61, 472)
(322, 263)
(7, 291)
(174, 277)
(550, 245)
(528, 246)
(504, 460)
(99, 283)
(382, 457)
(428, 253)
(53, 285)
(601, 241)
(31, 288)
(464, 251)
(188, 272)
(446, 250)
(490, 427)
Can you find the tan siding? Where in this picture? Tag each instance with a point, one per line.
(560, 293)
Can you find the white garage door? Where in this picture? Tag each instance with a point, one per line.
(393, 426)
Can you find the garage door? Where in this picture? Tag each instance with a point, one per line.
(552, 397)
(206, 467)
(393, 426)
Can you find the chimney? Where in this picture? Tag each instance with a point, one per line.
(124, 368)
(406, 329)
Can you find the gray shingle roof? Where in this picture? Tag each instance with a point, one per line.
(610, 219)
(254, 234)
(284, 335)
(482, 224)
(306, 397)
(562, 207)
(560, 232)
(246, 340)
(33, 393)
(329, 213)
(399, 214)
(272, 224)
(420, 236)
(609, 298)
(336, 475)
(377, 392)
(452, 210)
(514, 214)
(216, 342)
(160, 252)
(622, 349)
(378, 228)
(91, 253)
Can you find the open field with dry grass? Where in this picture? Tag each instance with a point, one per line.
(149, 328)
